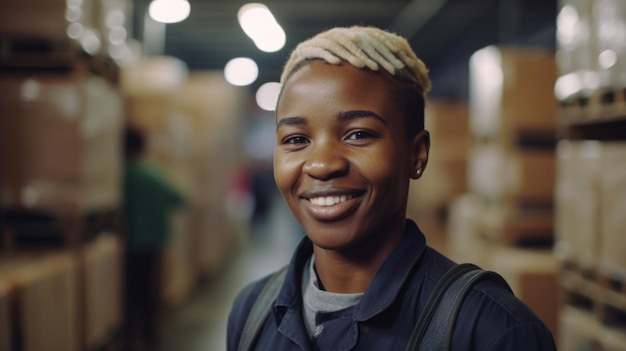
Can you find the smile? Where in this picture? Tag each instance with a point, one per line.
(330, 200)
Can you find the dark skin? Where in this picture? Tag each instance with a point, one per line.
(343, 163)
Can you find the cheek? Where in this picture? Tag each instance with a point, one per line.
(286, 172)
(388, 165)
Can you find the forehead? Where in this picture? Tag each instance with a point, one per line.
(319, 82)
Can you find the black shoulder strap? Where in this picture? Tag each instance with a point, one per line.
(433, 330)
(261, 309)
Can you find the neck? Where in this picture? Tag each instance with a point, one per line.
(352, 270)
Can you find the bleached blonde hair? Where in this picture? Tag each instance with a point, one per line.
(362, 47)
(370, 48)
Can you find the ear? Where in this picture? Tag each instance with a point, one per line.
(420, 146)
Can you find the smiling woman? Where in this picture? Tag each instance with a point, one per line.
(350, 138)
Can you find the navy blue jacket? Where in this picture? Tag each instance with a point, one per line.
(491, 318)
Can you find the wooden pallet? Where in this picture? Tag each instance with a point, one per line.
(602, 106)
(517, 223)
(579, 330)
(26, 53)
(598, 293)
(19, 54)
(46, 229)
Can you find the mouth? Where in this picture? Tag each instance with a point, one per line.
(325, 201)
(328, 206)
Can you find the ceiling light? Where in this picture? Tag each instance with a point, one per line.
(169, 11)
(241, 71)
(267, 96)
(259, 24)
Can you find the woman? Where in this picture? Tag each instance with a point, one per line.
(350, 137)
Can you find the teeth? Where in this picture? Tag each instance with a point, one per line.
(329, 200)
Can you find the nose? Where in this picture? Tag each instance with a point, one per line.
(325, 161)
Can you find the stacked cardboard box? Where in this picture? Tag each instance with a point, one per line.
(6, 322)
(591, 60)
(510, 175)
(60, 141)
(60, 171)
(52, 34)
(591, 177)
(43, 310)
(513, 125)
(578, 203)
(445, 175)
(101, 283)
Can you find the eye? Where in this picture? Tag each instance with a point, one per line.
(360, 135)
(295, 140)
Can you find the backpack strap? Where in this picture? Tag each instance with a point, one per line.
(433, 330)
(260, 309)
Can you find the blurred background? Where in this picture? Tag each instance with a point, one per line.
(527, 173)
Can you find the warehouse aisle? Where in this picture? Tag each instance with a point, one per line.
(200, 325)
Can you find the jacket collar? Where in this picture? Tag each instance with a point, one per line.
(383, 289)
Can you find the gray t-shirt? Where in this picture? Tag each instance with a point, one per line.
(317, 300)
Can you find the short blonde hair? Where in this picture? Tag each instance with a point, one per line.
(371, 48)
(362, 47)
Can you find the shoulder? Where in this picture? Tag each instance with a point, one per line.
(491, 316)
(499, 320)
(246, 297)
(241, 308)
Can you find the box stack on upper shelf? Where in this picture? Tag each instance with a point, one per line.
(61, 115)
(513, 125)
(591, 61)
(61, 118)
(591, 174)
(59, 34)
(60, 137)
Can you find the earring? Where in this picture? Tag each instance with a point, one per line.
(418, 172)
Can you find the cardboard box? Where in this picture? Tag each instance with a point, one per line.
(6, 325)
(448, 125)
(445, 175)
(512, 92)
(581, 331)
(35, 18)
(60, 138)
(514, 224)
(47, 300)
(608, 18)
(613, 210)
(464, 241)
(498, 173)
(577, 200)
(102, 261)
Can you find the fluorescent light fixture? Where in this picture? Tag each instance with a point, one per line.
(259, 24)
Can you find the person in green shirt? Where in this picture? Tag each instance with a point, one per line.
(149, 200)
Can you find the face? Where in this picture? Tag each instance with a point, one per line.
(343, 159)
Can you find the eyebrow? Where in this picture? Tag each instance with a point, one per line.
(354, 114)
(342, 116)
(291, 121)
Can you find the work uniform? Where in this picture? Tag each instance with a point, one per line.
(491, 318)
(148, 202)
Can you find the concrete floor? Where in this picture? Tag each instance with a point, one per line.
(200, 324)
